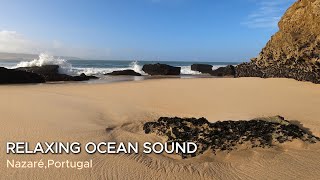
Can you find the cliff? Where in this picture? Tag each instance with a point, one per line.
(294, 51)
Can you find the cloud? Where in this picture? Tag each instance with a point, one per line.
(268, 14)
(11, 41)
(14, 42)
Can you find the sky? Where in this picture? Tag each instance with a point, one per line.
(190, 30)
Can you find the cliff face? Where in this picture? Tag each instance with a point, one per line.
(294, 51)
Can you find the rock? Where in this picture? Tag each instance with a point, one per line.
(127, 72)
(51, 73)
(294, 51)
(227, 135)
(248, 70)
(224, 71)
(82, 77)
(203, 68)
(42, 70)
(10, 76)
(161, 69)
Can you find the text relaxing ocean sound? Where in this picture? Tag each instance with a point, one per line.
(101, 147)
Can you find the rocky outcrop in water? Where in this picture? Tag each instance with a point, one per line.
(51, 73)
(203, 68)
(127, 72)
(11, 76)
(228, 135)
(224, 71)
(161, 69)
(294, 51)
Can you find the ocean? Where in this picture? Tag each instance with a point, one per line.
(101, 67)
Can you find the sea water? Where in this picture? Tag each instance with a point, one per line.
(101, 67)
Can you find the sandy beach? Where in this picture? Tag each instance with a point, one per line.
(82, 112)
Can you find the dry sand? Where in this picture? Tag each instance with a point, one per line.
(82, 112)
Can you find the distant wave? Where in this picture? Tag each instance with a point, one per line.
(67, 68)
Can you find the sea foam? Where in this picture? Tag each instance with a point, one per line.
(46, 59)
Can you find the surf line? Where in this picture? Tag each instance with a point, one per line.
(101, 147)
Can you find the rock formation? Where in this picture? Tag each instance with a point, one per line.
(127, 72)
(227, 135)
(11, 76)
(161, 69)
(203, 68)
(294, 51)
(51, 73)
(224, 71)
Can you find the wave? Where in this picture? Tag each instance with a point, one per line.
(66, 67)
(46, 59)
(187, 70)
(134, 65)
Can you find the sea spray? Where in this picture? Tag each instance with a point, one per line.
(46, 59)
(134, 65)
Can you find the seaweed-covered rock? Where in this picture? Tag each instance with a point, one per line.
(226, 135)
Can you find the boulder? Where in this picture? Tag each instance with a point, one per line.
(51, 73)
(11, 76)
(294, 51)
(42, 70)
(127, 72)
(161, 69)
(203, 68)
(224, 71)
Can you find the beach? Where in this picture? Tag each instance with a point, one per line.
(82, 112)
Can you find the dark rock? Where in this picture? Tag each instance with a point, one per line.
(226, 135)
(248, 70)
(42, 70)
(82, 77)
(11, 76)
(161, 69)
(127, 72)
(224, 71)
(203, 68)
(252, 70)
(51, 73)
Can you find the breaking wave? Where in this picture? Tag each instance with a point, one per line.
(46, 59)
(100, 71)
(92, 68)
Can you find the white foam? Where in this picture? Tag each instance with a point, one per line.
(187, 70)
(66, 67)
(46, 59)
(134, 65)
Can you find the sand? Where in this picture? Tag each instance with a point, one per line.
(82, 112)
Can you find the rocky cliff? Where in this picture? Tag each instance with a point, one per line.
(294, 51)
